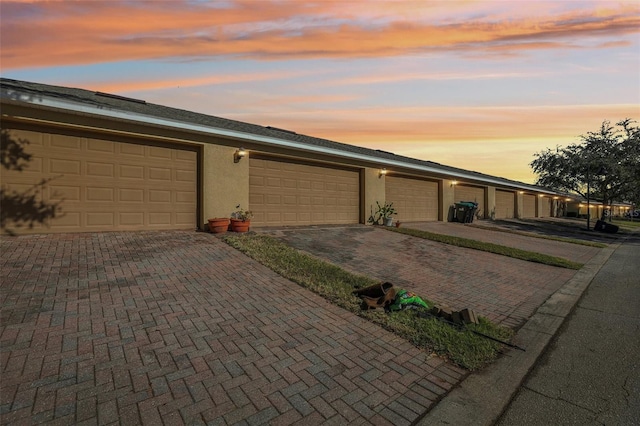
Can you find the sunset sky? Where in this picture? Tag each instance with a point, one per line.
(480, 85)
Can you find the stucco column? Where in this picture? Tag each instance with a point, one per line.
(225, 184)
(373, 189)
(447, 199)
(491, 203)
(519, 205)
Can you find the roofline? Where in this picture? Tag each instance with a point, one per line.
(238, 135)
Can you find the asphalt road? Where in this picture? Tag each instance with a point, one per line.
(590, 374)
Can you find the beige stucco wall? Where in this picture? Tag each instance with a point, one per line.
(447, 198)
(372, 191)
(490, 212)
(225, 184)
(519, 205)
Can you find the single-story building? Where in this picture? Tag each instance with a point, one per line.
(114, 163)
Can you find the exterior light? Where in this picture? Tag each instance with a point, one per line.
(239, 155)
(520, 192)
(454, 182)
(568, 199)
(383, 172)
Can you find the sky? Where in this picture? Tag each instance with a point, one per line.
(479, 85)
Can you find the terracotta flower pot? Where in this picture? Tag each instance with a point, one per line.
(218, 225)
(237, 225)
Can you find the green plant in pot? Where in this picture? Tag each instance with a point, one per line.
(241, 219)
(383, 214)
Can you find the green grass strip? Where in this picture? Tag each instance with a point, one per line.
(463, 347)
(544, 237)
(516, 253)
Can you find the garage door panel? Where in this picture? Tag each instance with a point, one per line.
(159, 196)
(286, 193)
(95, 194)
(100, 169)
(95, 145)
(160, 174)
(131, 172)
(108, 185)
(135, 151)
(66, 167)
(187, 176)
(34, 166)
(158, 152)
(65, 142)
(63, 193)
(131, 195)
(101, 219)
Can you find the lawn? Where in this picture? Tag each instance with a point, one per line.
(461, 346)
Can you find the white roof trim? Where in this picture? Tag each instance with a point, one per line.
(142, 118)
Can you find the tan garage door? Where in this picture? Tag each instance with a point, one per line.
(414, 199)
(505, 204)
(291, 193)
(102, 185)
(528, 205)
(545, 207)
(471, 193)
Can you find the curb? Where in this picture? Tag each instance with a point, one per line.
(481, 398)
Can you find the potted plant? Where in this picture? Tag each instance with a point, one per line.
(383, 214)
(241, 219)
(218, 225)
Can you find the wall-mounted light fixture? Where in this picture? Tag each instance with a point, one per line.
(568, 199)
(382, 173)
(239, 155)
(520, 192)
(541, 195)
(454, 182)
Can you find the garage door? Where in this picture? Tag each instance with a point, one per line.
(291, 193)
(545, 207)
(471, 193)
(414, 199)
(528, 205)
(103, 185)
(505, 204)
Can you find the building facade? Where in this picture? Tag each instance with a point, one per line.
(111, 163)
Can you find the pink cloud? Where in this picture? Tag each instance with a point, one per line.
(63, 33)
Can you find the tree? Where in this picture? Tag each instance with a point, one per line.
(604, 166)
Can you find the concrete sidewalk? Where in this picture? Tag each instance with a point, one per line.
(590, 374)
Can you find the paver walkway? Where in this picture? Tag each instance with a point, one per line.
(178, 328)
(505, 290)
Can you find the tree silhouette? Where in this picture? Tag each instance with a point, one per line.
(24, 208)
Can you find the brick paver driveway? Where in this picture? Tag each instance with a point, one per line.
(178, 328)
(505, 290)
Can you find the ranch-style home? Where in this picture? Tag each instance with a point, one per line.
(115, 163)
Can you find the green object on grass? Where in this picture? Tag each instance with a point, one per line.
(407, 300)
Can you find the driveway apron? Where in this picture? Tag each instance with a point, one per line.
(179, 328)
